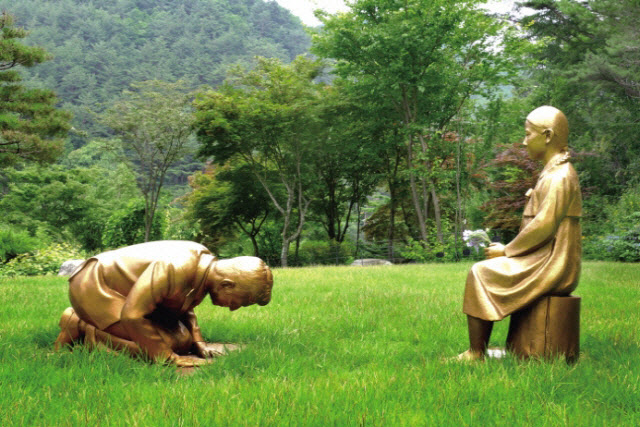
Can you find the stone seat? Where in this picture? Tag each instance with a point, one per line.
(547, 328)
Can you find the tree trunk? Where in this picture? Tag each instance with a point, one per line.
(414, 193)
(254, 242)
(392, 223)
(284, 254)
(436, 209)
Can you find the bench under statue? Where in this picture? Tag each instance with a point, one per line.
(548, 328)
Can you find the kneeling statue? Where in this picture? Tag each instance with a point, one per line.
(544, 258)
(140, 298)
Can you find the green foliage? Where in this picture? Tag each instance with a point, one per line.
(449, 251)
(153, 122)
(590, 72)
(101, 47)
(322, 252)
(14, 242)
(347, 160)
(423, 60)
(178, 226)
(126, 226)
(270, 243)
(619, 237)
(31, 127)
(68, 204)
(267, 119)
(226, 200)
(43, 261)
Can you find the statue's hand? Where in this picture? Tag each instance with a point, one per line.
(202, 350)
(494, 250)
(186, 361)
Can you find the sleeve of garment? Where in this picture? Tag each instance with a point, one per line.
(542, 228)
(153, 285)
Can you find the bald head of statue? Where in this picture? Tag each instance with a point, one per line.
(552, 123)
(240, 282)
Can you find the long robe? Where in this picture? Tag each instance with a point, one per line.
(543, 259)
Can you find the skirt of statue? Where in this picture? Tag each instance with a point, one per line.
(499, 286)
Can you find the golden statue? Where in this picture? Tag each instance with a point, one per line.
(140, 298)
(544, 258)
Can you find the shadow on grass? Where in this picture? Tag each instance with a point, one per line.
(45, 338)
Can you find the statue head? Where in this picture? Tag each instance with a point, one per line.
(547, 132)
(241, 281)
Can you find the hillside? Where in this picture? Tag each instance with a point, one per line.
(101, 46)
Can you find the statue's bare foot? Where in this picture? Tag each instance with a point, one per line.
(470, 356)
(70, 329)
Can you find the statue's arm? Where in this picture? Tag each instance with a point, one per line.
(145, 295)
(199, 345)
(542, 228)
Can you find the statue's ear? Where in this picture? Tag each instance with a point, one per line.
(548, 133)
(227, 284)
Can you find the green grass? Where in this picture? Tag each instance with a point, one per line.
(337, 346)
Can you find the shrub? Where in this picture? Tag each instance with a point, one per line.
(322, 252)
(15, 242)
(624, 245)
(126, 226)
(41, 262)
(620, 235)
(415, 251)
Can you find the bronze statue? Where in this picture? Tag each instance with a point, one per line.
(140, 298)
(544, 258)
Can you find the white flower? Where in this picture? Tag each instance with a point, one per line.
(476, 239)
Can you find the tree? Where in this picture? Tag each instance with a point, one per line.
(63, 203)
(516, 174)
(347, 164)
(590, 71)
(31, 128)
(426, 58)
(225, 199)
(153, 122)
(268, 120)
(101, 47)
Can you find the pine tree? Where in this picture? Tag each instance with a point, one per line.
(31, 128)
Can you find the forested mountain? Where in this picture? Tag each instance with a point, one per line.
(101, 46)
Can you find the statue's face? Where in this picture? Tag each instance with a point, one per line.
(245, 292)
(535, 141)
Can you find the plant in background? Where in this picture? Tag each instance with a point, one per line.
(43, 261)
(31, 127)
(127, 226)
(15, 242)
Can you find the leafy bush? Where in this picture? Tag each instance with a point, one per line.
(41, 262)
(621, 246)
(415, 251)
(15, 242)
(322, 252)
(620, 239)
(126, 226)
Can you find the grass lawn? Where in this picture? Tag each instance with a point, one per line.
(337, 346)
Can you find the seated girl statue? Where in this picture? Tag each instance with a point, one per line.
(544, 258)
